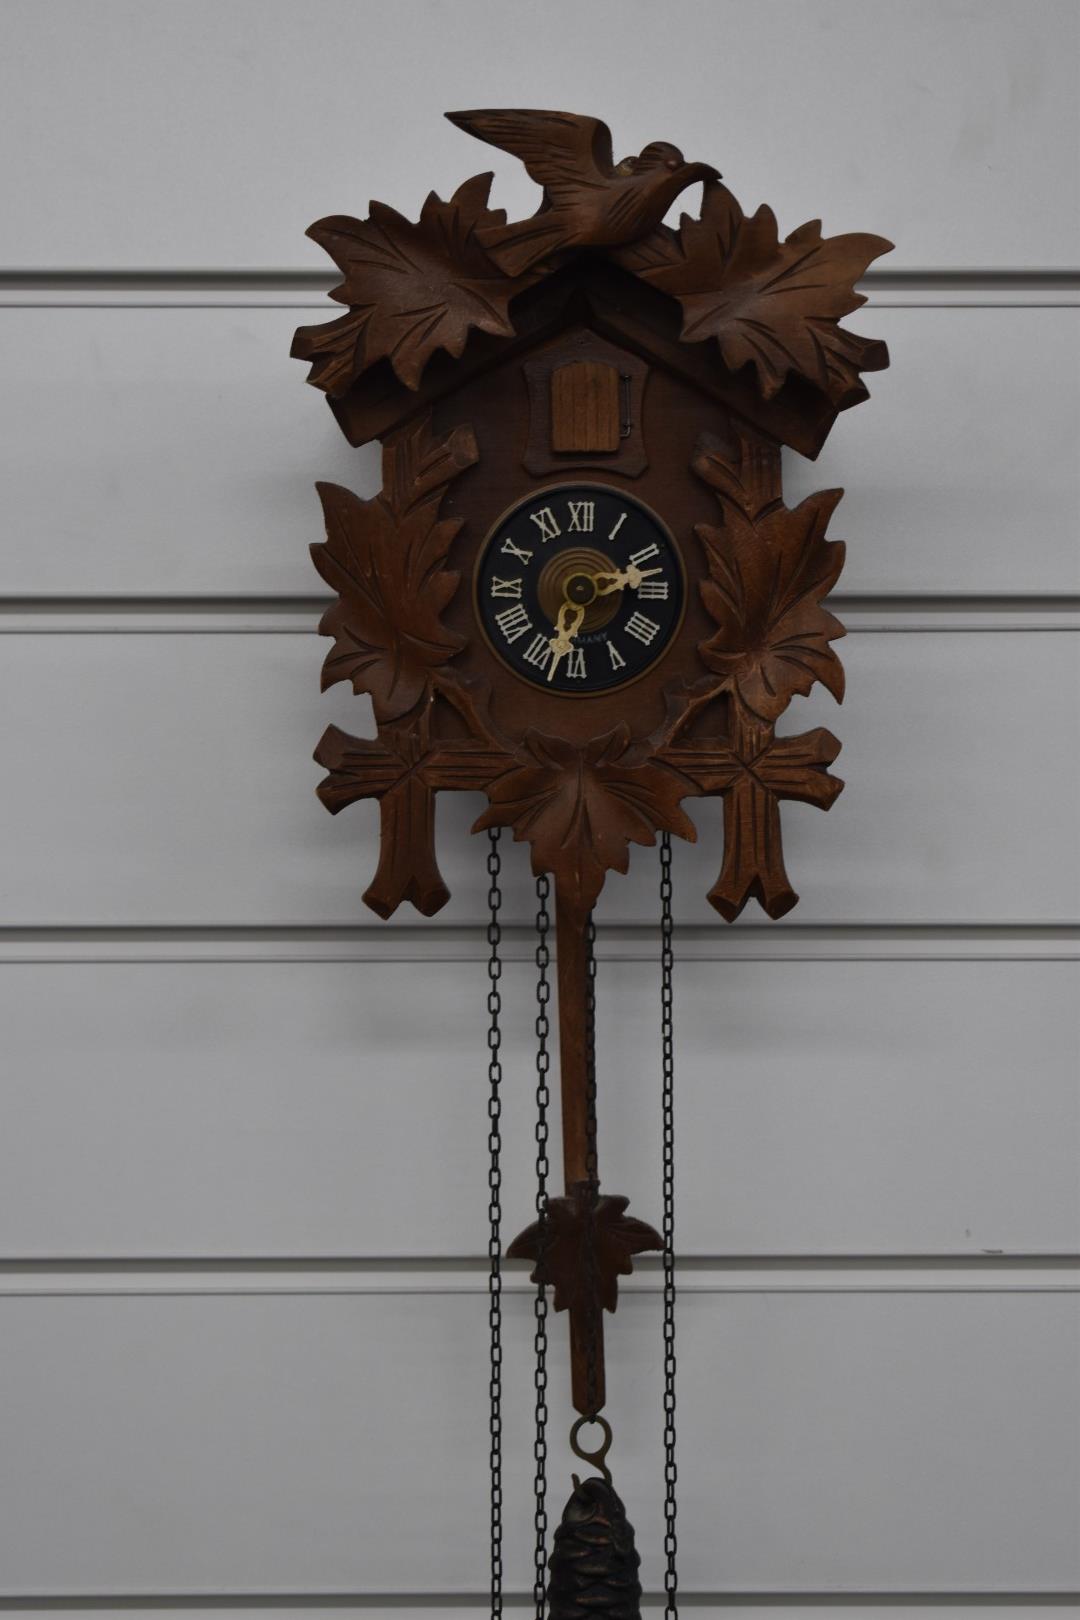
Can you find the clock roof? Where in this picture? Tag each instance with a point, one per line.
(746, 319)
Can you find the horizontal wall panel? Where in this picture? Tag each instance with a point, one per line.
(259, 1444)
(950, 484)
(435, 941)
(274, 1109)
(417, 1275)
(453, 1608)
(176, 455)
(155, 780)
(430, 1608)
(190, 446)
(279, 130)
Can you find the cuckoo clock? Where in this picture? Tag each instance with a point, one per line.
(579, 592)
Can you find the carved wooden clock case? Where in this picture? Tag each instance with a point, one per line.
(579, 590)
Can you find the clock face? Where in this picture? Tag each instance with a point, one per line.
(580, 589)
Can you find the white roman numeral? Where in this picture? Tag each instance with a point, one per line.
(513, 622)
(617, 659)
(618, 526)
(656, 589)
(510, 550)
(640, 558)
(581, 516)
(538, 652)
(575, 663)
(642, 628)
(507, 587)
(545, 522)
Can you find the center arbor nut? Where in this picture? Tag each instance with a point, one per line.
(580, 589)
(567, 577)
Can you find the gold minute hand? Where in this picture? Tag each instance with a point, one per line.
(567, 625)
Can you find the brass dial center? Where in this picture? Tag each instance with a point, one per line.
(568, 577)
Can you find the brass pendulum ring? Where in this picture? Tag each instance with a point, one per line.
(595, 1457)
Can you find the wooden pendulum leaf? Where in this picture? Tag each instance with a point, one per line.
(594, 1563)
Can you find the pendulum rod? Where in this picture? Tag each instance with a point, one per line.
(572, 956)
(592, 1168)
(594, 1321)
(580, 1173)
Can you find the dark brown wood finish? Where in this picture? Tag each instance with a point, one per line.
(590, 342)
(570, 951)
(589, 201)
(581, 1224)
(585, 408)
(603, 404)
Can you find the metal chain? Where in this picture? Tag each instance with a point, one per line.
(667, 1046)
(540, 1305)
(494, 1006)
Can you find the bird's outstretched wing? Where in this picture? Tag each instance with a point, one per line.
(561, 151)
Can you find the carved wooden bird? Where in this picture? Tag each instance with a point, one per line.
(589, 201)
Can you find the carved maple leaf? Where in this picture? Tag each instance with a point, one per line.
(411, 288)
(561, 1247)
(766, 581)
(581, 808)
(772, 304)
(384, 558)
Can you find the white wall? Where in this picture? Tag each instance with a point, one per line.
(242, 1325)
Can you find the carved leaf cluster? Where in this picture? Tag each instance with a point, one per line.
(770, 304)
(384, 557)
(418, 289)
(560, 1249)
(767, 577)
(582, 807)
(411, 288)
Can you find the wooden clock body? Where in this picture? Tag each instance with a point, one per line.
(591, 346)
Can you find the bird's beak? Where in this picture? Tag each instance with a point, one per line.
(702, 171)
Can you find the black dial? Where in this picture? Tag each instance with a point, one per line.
(580, 588)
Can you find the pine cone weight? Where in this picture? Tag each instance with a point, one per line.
(594, 1563)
